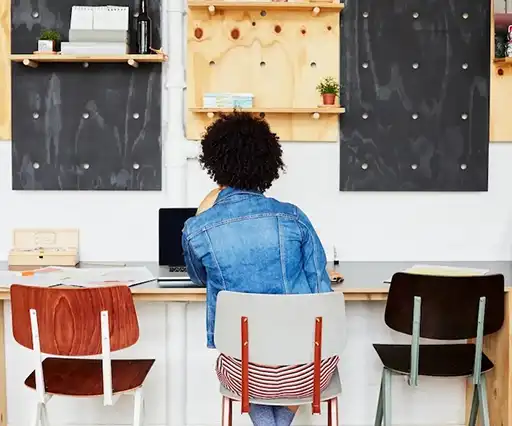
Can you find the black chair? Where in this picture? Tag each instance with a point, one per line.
(442, 308)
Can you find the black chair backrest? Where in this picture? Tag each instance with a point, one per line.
(449, 305)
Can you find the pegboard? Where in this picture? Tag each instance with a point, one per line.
(417, 98)
(78, 126)
(278, 55)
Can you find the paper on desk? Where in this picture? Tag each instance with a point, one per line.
(8, 278)
(98, 276)
(447, 271)
(56, 275)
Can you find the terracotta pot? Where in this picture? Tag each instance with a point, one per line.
(329, 98)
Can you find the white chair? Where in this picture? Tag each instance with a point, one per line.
(278, 330)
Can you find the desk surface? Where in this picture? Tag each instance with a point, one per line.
(363, 280)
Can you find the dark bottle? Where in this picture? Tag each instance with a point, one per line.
(143, 29)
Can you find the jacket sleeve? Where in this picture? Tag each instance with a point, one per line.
(315, 261)
(195, 268)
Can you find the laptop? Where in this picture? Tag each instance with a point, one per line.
(172, 271)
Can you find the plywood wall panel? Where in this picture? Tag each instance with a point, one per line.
(5, 70)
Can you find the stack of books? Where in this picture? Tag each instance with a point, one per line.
(228, 100)
(101, 30)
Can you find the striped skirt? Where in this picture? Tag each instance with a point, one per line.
(274, 382)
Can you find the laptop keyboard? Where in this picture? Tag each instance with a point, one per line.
(177, 269)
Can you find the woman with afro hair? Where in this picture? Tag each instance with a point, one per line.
(241, 240)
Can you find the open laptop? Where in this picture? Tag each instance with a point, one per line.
(172, 271)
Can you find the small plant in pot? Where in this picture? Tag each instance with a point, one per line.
(329, 88)
(48, 41)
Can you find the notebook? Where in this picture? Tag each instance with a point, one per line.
(450, 271)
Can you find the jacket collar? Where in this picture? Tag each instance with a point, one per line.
(229, 192)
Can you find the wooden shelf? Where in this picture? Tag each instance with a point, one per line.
(502, 61)
(314, 110)
(283, 6)
(33, 60)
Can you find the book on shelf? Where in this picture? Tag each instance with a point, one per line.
(95, 36)
(70, 48)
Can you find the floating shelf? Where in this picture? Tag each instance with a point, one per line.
(502, 61)
(33, 60)
(315, 111)
(315, 7)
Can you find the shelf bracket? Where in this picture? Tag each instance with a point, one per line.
(133, 63)
(316, 11)
(211, 9)
(29, 63)
(315, 116)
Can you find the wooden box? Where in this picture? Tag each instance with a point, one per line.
(44, 247)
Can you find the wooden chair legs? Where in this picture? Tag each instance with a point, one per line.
(332, 412)
(227, 411)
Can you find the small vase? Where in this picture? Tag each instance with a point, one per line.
(46, 46)
(329, 98)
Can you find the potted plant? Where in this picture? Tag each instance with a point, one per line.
(48, 41)
(329, 88)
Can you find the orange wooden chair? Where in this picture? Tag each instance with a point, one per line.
(72, 322)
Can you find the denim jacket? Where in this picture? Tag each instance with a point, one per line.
(250, 243)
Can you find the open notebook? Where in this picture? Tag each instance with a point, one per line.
(450, 271)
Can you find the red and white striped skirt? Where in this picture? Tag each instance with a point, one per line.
(274, 382)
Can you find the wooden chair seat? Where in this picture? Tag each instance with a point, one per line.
(84, 377)
(434, 360)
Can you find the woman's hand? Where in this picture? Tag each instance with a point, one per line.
(208, 201)
(335, 277)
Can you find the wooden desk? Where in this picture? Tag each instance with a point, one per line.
(363, 282)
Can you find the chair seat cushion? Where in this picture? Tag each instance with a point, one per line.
(83, 377)
(435, 360)
(332, 391)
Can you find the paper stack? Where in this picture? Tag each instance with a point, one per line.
(100, 30)
(228, 100)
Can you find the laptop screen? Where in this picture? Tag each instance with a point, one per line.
(170, 227)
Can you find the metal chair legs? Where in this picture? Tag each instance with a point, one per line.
(474, 407)
(227, 411)
(479, 403)
(332, 412)
(482, 399)
(384, 404)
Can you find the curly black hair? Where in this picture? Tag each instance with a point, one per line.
(240, 151)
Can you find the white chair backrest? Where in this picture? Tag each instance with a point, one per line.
(281, 327)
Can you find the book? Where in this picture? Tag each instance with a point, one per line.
(99, 48)
(440, 270)
(94, 36)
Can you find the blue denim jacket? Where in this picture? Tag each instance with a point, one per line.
(250, 243)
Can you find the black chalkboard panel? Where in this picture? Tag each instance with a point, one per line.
(416, 76)
(76, 127)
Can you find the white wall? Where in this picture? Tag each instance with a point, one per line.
(364, 226)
